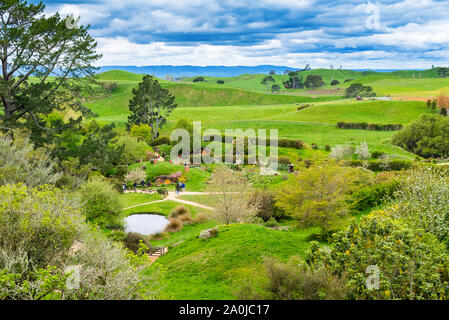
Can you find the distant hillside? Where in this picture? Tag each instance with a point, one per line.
(234, 71)
(191, 71)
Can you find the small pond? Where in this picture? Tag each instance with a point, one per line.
(145, 224)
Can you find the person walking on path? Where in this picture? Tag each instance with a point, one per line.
(183, 187)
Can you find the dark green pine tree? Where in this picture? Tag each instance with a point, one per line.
(151, 104)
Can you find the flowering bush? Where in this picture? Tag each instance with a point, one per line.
(412, 264)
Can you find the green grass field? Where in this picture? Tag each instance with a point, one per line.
(216, 268)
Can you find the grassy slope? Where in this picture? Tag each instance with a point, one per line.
(213, 269)
(399, 83)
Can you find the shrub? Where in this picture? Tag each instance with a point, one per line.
(362, 151)
(271, 223)
(318, 196)
(133, 240)
(136, 175)
(200, 218)
(39, 223)
(101, 204)
(179, 211)
(175, 225)
(358, 89)
(369, 126)
(21, 163)
(372, 196)
(377, 154)
(314, 146)
(422, 200)
(295, 280)
(199, 79)
(348, 80)
(160, 141)
(412, 264)
(107, 272)
(428, 136)
(266, 200)
(133, 149)
(142, 132)
(220, 82)
(335, 82)
(313, 81)
(340, 152)
(327, 147)
(381, 165)
(284, 160)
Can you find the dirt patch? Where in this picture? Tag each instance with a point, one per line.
(410, 99)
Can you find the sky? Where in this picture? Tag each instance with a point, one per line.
(402, 34)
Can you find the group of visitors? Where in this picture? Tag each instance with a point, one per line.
(146, 186)
(180, 187)
(143, 184)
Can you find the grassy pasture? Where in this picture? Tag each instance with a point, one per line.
(215, 268)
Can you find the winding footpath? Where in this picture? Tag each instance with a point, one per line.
(172, 196)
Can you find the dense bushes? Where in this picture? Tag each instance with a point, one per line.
(296, 280)
(318, 196)
(428, 136)
(161, 140)
(133, 149)
(372, 196)
(42, 233)
(369, 126)
(101, 203)
(267, 208)
(358, 89)
(20, 162)
(412, 264)
(38, 223)
(380, 165)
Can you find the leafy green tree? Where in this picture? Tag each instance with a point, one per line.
(21, 163)
(142, 132)
(295, 81)
(428, 136)
(411, 264)
(443, 111)
(318, 196)
(358, 89)
(267, 81)
(275, 88)
(101, 203)
(98, 147)
(442, 72)
(133, 149)
(199, 79)
(313, 81)
(57, 57)
(151, 104)
(335, 82)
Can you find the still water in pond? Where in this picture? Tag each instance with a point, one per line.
(145, 224)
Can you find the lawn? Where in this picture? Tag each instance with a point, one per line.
(196, 177)
(218, 267)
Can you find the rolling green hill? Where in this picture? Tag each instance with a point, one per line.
(418, 83)
(216, 268)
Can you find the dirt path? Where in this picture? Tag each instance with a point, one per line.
(172, 196)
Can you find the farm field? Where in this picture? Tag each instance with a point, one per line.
(212, 105)
(217, 150)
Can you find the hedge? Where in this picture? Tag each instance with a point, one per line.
(379, 166)
(369, 126)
